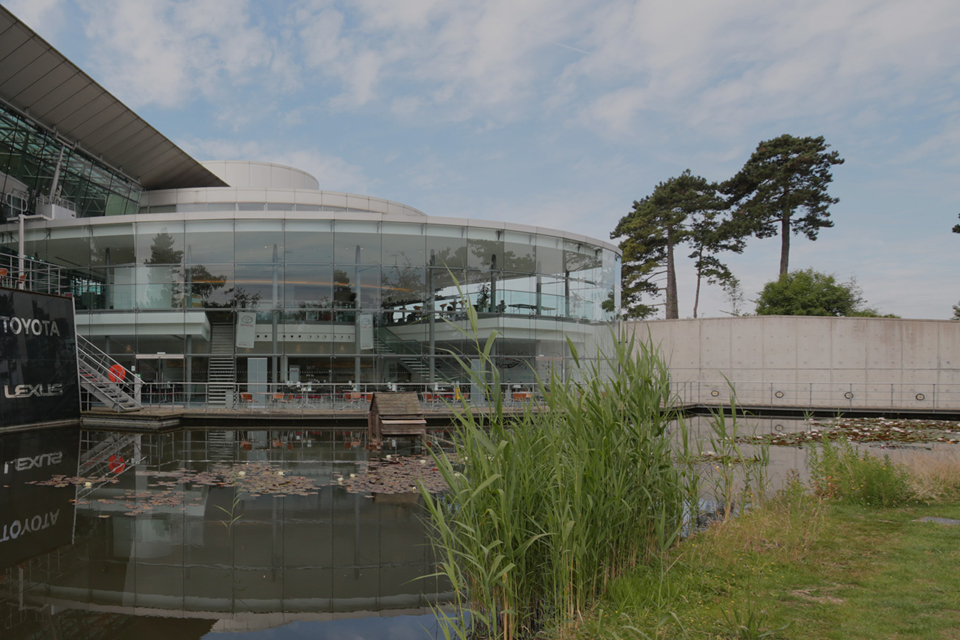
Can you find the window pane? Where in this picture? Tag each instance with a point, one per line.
(403, 286)
(210, 285)
(209, 241)
(259, 241)
(258, 286)
(160, 242)
(308, 287)
(520, 252)
(159, 287)
(308, 241)
(403, 245)
(447, 246)
(549, 254)
(486, 248)
(578, 256)
(112, 245)
(356, 242)
(68, 246)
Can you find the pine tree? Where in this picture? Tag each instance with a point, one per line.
(783, 188)
(683, 210)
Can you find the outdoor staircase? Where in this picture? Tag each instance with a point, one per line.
(95, 369)
(222, 371)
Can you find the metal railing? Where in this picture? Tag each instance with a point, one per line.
(63, 203)
(311, 397)
(104, 378)
(813, 395)
(37, 276)
(337, 397)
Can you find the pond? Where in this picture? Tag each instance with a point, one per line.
(269, 533)
(195, 532)
(791, 439)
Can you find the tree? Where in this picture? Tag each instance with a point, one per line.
(956, 227)
(783, 188)
(956, 312)
(683, 210)
(811, 293)
(735, 297)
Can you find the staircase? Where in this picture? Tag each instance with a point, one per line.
(95, 369)
(387, 343)
(222, 370)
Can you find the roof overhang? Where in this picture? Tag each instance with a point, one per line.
(39, 81)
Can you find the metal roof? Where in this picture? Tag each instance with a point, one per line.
(39, 81)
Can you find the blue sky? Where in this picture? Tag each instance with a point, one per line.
(561, 113)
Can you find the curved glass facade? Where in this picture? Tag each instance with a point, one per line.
(332, 298)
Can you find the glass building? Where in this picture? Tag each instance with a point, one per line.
(189, 270)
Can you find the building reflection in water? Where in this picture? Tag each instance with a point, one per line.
(155, 547)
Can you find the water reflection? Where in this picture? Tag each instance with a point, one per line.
(141, 533)
(161, 543)
(788, 460)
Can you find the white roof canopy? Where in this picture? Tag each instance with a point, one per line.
(39, 81)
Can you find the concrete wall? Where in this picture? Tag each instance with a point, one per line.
(812, 361)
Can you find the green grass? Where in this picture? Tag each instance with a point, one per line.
(798, 567)
(840, 472)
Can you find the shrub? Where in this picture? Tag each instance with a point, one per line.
(840, 472)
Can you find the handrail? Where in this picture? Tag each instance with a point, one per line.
(63, 203)
(393, 341)
(37, 275)
(104, 363)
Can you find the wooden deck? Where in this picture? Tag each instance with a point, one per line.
(152, 420)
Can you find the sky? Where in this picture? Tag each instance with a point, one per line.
(562, 113)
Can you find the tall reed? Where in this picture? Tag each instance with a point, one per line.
(545, 508)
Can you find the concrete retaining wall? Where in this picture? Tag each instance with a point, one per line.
(812, 361)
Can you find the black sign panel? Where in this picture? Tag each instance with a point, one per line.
(38, 359)
(36, 518)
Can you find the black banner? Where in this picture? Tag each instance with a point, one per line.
(34, 518)
(38, 359)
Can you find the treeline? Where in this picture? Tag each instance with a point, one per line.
(781, 190)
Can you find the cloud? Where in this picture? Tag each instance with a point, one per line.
(50, 15)
(168, 52)
(621, 68)
(466, 59)
(730, 66)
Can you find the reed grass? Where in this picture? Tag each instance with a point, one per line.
(735, 480)
(545, 509)
(934, 477)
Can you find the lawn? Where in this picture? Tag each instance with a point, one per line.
(798, 567)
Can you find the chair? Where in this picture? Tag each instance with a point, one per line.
(246, 398)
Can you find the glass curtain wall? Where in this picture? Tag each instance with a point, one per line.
(30, 155)
(342, 301)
